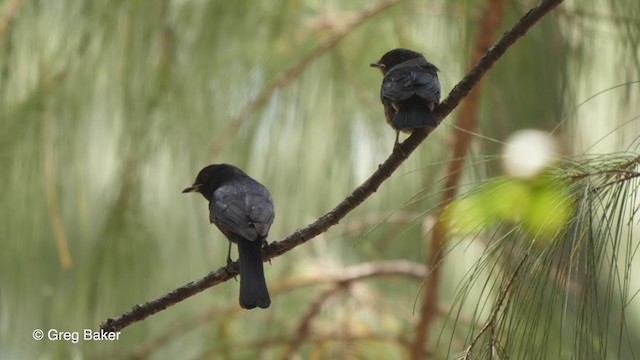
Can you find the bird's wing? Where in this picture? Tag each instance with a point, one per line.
(261, 211)
(402, 82)
(426, 85)
(243, 209)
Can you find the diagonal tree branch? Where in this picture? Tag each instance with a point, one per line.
(359, 194)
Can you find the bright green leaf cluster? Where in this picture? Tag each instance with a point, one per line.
(541, 205)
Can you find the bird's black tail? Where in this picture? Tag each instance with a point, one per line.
(414, 115)
(253, 287)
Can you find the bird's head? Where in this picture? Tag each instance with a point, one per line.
(211, 177)
(395, 57)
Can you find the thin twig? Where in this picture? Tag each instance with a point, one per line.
(613, 182)
(358, 272)
(604, 172)
(622, 173)
(304, 327)
(359, 195)
(496, 310)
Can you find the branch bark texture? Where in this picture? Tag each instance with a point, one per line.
(359, 194)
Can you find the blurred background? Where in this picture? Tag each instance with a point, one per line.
(108, 109)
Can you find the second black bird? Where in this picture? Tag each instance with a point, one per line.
(242, 209)
(410, 90)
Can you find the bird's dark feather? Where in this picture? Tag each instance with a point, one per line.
(407, 79)
(243, 207)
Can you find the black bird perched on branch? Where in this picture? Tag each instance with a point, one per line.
(242, 209)
(410, 90)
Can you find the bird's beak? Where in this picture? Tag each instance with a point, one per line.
(193, 188)
(377, 65)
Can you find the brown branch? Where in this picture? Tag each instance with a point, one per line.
(621, 173)
(295, 70)
(486, 32)
(304, 327)
(341, 282)
(613, 182)
(356, 273)
(605, 172)
(359, 194)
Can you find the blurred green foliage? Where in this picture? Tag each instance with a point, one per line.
(540, 205)
(109, 108)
